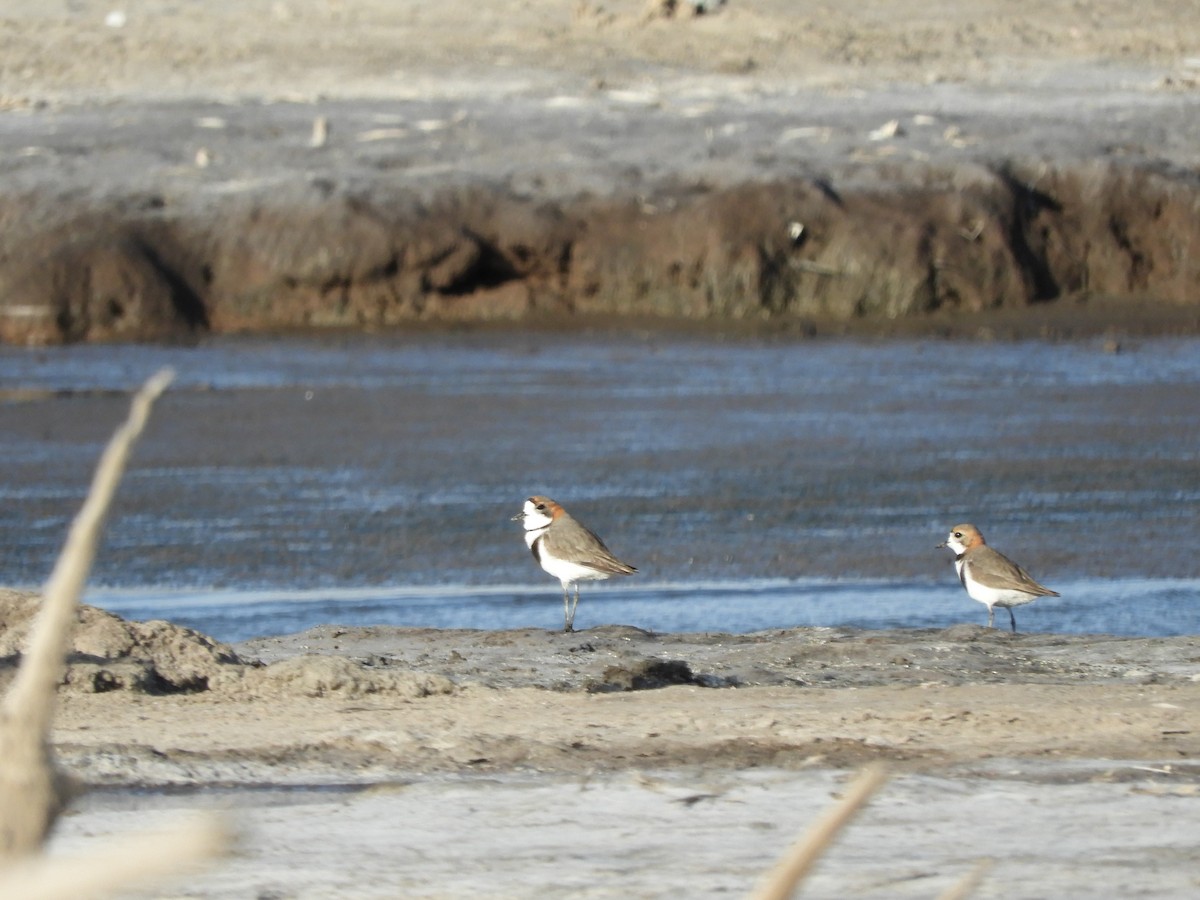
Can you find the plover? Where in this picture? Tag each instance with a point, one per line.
(567, 550)
(989, 576)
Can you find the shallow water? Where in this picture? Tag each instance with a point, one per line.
(1145, 607)
(755, 484)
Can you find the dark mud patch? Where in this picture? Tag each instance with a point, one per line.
(651, 674)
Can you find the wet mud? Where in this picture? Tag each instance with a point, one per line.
(621, 658)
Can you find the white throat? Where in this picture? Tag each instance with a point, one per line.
(956, 545)
(536, 522)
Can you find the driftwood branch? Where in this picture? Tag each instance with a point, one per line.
(32, 792)
(782, 881)
(113, 864)
(966, 885)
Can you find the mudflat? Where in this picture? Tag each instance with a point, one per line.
(353, 704)
(614, 762)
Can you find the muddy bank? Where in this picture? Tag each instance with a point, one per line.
(1106, 246)
(371, 703)
(158, 658)
(907, 168)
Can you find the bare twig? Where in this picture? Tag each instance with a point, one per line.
(32, 792)
(966, 885)
(807, 265)
(783, 880)
(116, 863)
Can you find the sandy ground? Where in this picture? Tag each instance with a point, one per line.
(373, 762)
(613, 762)
(303, 48)
(285, 740)
(351, 705)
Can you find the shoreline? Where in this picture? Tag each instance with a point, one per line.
(151, 703)
(1113, 322)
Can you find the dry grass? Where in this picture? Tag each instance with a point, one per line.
(788, 875)
(965, 886)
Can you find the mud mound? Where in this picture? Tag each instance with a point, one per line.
(109, 653)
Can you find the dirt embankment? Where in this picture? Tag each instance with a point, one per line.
(174, 173)
(787, 253)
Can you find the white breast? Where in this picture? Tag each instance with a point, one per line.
(569, 572)
(1005, 598)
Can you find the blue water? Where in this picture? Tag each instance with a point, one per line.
(755, 484)
(1136, 607)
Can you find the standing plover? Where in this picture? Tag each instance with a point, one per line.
(567, 550)
(989, 576)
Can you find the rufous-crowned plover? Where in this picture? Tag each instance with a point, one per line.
(989, 576)
(567, 550)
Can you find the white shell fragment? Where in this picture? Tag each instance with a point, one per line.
(887, 130)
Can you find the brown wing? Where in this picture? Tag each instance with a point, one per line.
(995, 570)
(570, 540)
